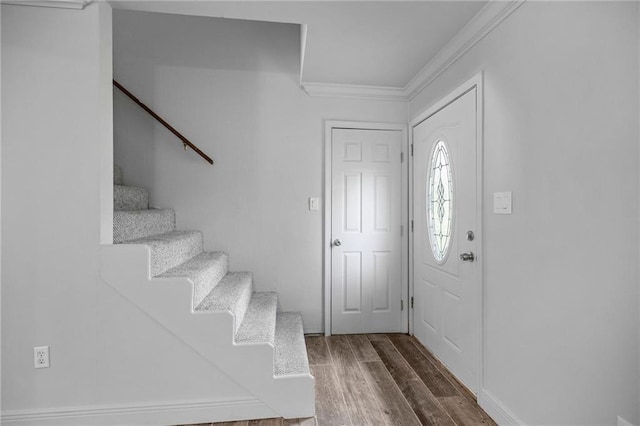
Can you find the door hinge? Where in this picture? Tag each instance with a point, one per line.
(402, 305)
(402, 157)
(411, 302)
(412, 225)
(412, 150)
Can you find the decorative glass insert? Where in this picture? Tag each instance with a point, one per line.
(440, 201)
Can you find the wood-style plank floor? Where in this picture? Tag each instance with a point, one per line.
(381, 379)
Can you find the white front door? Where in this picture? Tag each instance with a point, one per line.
(447, 279)
(366, 278)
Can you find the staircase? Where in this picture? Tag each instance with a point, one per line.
(191, 292)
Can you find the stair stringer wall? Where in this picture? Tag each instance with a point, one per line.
(169, 301)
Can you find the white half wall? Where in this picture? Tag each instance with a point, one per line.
(110, 363)
(232, 88)
(50, 210)
(561, 272)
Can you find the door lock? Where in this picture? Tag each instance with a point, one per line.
(467, 257)
(337, 242)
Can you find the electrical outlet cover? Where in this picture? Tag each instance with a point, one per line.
(41, 357)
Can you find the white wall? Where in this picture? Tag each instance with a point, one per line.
(561, 273)
(49, 199)
(232, 88)
(105, 353)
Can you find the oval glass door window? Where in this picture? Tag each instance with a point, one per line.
(440, 202)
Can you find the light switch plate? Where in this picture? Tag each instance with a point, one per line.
(502, 202)
(314, 204)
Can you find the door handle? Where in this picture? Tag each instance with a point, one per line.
(467, 257)
(337, 242)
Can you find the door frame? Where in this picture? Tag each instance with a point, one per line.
(404, 211)
(474, 82)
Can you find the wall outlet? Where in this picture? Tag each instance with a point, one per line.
(41, 357)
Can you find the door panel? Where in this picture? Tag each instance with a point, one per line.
(366, 274)
(429, 308)
(352, 202)
(381, 204)
(382, 286)
(352, 268)
(447, 290)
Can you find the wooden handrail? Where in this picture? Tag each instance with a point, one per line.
(184, 140)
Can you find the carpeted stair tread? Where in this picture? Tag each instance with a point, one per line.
(291, 352)
(130, 198)
(133, 224)
(205, 270)
(117, 175)
(259, 323)
(171, 249)
(232, 293)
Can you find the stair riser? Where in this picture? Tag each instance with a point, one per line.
(205, 271)
(129, 225)
(233, 294)
(241, 307)
(166, 256)
(259, 323)
(208, 280)
(130, 198)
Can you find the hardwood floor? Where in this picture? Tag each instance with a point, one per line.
(381, 379)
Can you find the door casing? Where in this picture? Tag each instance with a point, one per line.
(357, 125)
(477, 82)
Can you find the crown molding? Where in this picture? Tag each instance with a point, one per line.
(354, 91)
(57, 4)
(489, 17)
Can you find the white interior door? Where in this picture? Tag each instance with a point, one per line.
(366, 279)
(447, 279)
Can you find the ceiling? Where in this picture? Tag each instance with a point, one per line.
(371, 43)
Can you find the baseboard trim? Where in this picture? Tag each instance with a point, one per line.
(496, 409)
(171, 412)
